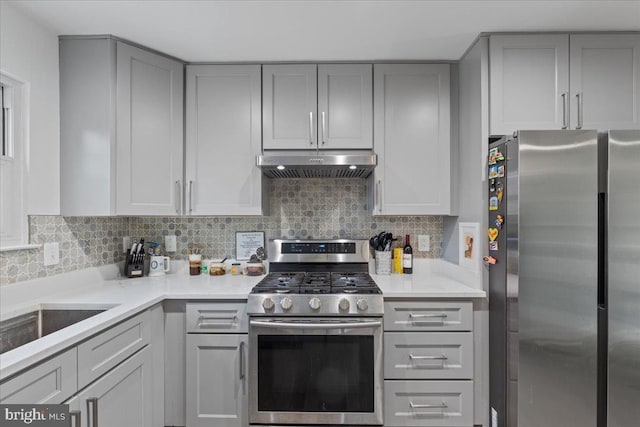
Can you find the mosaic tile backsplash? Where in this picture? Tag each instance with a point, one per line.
(299, 208)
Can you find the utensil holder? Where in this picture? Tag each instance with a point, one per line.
(134, 265)
(383, 262)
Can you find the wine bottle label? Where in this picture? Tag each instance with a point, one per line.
(407, 261)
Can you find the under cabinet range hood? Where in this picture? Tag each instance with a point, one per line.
(317, 164)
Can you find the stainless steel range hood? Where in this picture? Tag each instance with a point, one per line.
(317, 164)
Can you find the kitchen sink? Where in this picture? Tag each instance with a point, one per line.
(23, 329)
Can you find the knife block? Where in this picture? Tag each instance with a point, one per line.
(134, 265)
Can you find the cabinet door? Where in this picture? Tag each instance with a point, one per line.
(223, 140)
(605, 81)
(412, 139)
(216, 380)
(123, 397)
(529, 82)
(345, 106)
(289, 105)
(149, 132)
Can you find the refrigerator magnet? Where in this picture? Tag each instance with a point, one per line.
(492, 185)
(492, 155)
(493, 234)
(493, 172)
(493, 246)
(493, 203)
(490, 260)
(500, 171)
(500, 191)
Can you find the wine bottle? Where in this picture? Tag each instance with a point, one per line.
(407, 257)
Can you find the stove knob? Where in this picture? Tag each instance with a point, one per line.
(362, 304)
(286, 303)
(268, 303)
(314, 303)
(344, 304)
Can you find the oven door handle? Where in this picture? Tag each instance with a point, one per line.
(309, 325)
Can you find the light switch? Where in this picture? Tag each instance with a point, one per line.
(424, 242)
(51, 253)
(170, 243)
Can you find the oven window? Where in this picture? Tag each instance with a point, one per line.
(315, 373)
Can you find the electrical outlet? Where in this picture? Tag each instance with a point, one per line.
(424, 242)
(126, 244)
(170, 243)
(51, 253)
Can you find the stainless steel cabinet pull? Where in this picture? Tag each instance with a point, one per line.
(241, 350)
(310, 127)
(316, 325)
(178, 197)
(427, 316)
(190, 196)
(443, 357)
(443, 405)
(76, 418)
(579, 102)
(92, 412)
(564, 109)
(232, 318)
(379, 195)
(324, 129)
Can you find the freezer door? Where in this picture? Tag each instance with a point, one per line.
(624, 278)
(557, 299)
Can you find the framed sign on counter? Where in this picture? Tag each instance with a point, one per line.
(249, 243)
(469, 246)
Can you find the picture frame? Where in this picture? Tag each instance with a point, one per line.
(469, 245)
(249, 243)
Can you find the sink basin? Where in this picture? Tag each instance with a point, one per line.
(28, 327)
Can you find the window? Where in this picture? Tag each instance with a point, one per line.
(13, 218)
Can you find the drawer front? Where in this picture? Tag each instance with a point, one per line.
(428, 403)
(428, 355)
(428, 316)
(52, 382)
(103, 352)
(219, 317)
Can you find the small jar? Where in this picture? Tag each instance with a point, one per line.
(195, 264)
(216, 269)
(235, 268)
(254, 269)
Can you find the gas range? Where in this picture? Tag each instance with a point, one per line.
(317, 278)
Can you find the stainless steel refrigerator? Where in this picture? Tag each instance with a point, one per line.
(564, 281)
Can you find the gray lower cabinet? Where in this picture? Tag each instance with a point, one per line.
(122, 397)
(51, 381)
(428, 364)
(217, 380)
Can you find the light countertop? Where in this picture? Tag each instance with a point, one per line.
(102, 288)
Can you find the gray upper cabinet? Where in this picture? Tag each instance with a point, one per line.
(562, 81)
(605, 81)
(345, 106)
(223, 137)
(289, 105)
(121, 144)
(149, 132)
(529, 81)
(412, 139)
(308, 106)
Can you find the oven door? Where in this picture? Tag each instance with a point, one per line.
(315, 371)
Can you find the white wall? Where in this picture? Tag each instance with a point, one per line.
(29, 53)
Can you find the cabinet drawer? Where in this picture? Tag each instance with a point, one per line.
(52, 381)
(428, 355)
(220, 317)
(428, 403)
(428, 316)
(106, 350)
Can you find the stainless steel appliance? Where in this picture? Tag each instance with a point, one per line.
(317, 164)
(315, 336)
(564, 295)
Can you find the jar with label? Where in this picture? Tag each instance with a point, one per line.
(235, 268)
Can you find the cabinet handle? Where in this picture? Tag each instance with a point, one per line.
(412, 405)
(427, 316)
(190, 196)
(178, 197)
(379, 195)
(443, 357)
(241, 350)
(92, 412)
(579, 102)
(324, 128)
(76, 418)
(310, 127)
(564, 110)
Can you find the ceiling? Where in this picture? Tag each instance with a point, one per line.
(319, 30)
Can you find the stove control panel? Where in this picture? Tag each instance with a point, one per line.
(318, 248)
(315, 305)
